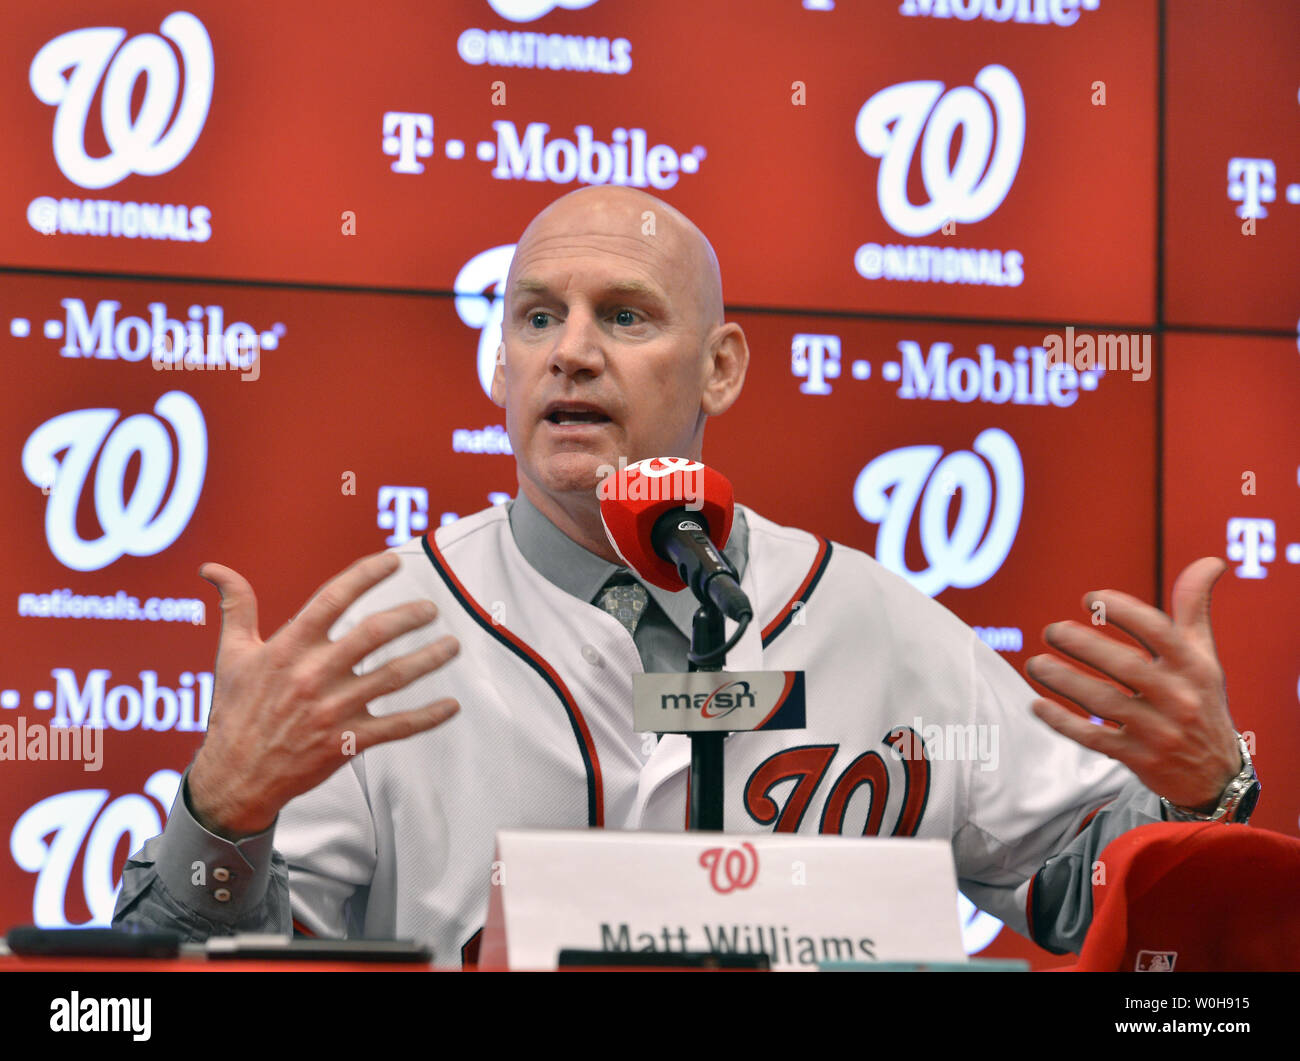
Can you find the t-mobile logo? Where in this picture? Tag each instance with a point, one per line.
(815, 358)
(408, 137)
(1252, 182)
(404, 510)
(1253, 542)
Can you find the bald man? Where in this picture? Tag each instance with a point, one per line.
(520, 619)
(614, 347)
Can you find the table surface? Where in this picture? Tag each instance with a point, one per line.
(14, 963)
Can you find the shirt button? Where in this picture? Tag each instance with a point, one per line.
(222, 895)
(221, 874)
(591, 655)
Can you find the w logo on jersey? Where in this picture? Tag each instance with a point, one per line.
(889, 489)
(844, 811)
(144, 145)
(807, 766)
(891, 123)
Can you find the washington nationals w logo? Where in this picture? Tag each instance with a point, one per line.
(480, 303)
(141, 524)
(141, 145)
(889, 490)
(527, 10)
(730, 868)
(807, 766)
(891, 123)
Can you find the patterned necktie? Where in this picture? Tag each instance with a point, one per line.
(625, 599)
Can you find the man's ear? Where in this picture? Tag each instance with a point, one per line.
(499, 378)
(728, 362)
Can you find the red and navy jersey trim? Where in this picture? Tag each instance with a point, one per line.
(548, 674)
(1029, 907)
(469, 951)
(783, 618)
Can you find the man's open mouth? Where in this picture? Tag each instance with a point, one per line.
(564, 416)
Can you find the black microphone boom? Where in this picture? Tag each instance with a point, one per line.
(682, 538)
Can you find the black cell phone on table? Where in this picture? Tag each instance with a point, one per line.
(278, 948)
(33, 942)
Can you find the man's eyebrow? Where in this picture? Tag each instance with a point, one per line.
(525, 286)
(615, 289)
(634, 289)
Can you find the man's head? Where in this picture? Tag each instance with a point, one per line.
(614, 343)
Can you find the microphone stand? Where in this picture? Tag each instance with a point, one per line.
(708, 635)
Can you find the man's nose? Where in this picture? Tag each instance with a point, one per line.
(577, 347)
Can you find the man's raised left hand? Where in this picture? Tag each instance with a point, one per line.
(1174, 730)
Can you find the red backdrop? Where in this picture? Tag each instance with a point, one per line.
(906, 199)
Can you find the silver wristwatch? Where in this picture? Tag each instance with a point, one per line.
(1237, 802)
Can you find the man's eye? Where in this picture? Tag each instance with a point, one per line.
(625, 317)
(533, 318)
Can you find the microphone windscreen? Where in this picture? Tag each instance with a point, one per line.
(633, 498)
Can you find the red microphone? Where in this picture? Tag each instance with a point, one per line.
(668, 519)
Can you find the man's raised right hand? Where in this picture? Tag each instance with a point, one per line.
(281, 708)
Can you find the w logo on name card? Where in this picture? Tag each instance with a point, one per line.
(731, 868)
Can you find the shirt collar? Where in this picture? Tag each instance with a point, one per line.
(565, 563)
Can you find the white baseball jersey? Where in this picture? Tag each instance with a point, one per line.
(399, 842)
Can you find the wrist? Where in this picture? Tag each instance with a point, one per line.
(210, 805)
(1235, 803)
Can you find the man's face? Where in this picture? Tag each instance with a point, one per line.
(605, 348)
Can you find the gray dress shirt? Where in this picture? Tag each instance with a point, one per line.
(664, 633)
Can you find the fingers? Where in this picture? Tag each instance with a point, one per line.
(1098, 738)
(379, 629)
(1095, 696)
(403, 724)
(1162, 636)
(1179, 648)
(1148, 626)
(238, 601)
(1190, 601)
(1175, 732)
(1104, 739)
(315, 620)
(399, 673)
(1124, 663)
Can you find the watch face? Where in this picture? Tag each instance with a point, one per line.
(1246, 807)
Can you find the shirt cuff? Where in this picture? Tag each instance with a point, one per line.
(220, 879)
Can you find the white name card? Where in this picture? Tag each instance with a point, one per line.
(801, 900)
